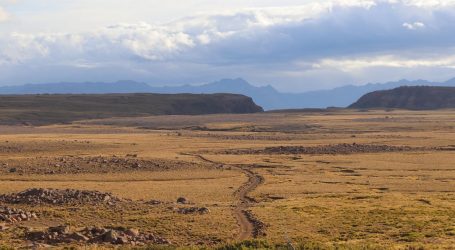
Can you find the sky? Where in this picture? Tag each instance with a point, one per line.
(294, 46)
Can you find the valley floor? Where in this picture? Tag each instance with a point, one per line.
(345, 179)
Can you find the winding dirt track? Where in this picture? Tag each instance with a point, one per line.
(247, 223)
(248, 227)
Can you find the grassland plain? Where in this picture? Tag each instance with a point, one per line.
(364, 199)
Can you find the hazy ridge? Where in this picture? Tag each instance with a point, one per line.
(266, 96)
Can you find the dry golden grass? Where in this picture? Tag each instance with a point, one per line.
(388, 198)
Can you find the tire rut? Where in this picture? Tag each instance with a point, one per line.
(249, 225)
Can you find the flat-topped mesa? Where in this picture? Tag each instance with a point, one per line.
(51, 109)
(413, 98)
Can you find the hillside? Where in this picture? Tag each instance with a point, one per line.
(414, 98)
(48, 109)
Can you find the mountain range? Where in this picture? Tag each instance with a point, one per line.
(266, 96)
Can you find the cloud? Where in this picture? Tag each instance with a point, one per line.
(185, 39)
(429, 3)
(414, 26)
(3, 14)
(388, 61)
(321, 39)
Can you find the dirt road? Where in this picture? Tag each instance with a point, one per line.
(249, 225)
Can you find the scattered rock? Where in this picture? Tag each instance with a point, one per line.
(136, 165)
(110, 236)
(36, 235)
(425, 201)
(36, 196)
(14, 215)
(3, 227)
(343, 148)
(193, 210)
(60, 229)
(182, 200)
(132, 232)
(78, 237)
(122, 240)
(90, 164)
(259, 229)
(153, 202)
(95, 235)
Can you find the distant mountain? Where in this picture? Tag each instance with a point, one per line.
(265, 96)
(415, 98)
(77, 88)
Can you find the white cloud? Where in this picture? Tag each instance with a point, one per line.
(414, 26)
(3, 14)
(165, 42)
(326, 37)
(429, 3)
(389, 61)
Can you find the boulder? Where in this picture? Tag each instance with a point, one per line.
(65, 229)
(78, 237)
(122, 240)
(133, 232)
(3, 227)
(182, 200)
(110, 236)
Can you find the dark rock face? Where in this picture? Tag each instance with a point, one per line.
(413, 98)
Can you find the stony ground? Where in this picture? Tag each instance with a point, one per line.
(90, 164)
(93, 235)
(37, 196)
(347, 180)
(343, 148)
(14, 215)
